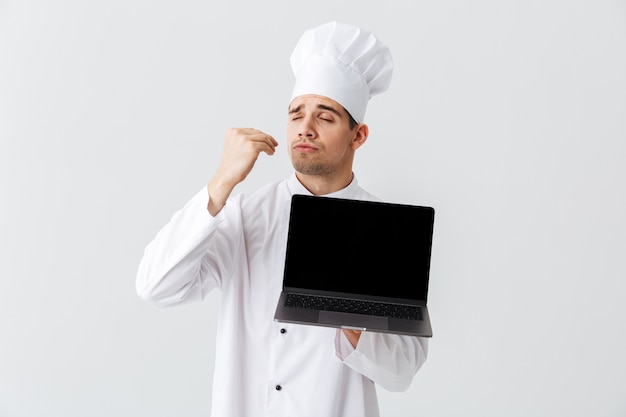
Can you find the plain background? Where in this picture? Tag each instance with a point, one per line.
(506, 116)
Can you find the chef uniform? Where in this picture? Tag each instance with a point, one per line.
(264, 368)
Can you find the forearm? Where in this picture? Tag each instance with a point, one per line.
(171, 269)
(218, 189)
(391, 361)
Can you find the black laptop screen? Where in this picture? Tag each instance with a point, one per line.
(350, 246)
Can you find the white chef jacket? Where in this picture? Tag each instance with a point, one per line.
(264, 368)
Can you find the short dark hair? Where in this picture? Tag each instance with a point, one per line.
(353, 123)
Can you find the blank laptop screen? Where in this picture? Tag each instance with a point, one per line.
(371, 248)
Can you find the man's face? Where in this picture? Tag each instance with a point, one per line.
(320, 139)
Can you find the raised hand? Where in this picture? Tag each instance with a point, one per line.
(242, 147)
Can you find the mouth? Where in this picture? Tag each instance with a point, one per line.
(304, 147)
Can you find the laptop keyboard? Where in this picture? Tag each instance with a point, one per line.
(373, 308)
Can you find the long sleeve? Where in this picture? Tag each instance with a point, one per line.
(188, 256)
(264, 368)
(391, 361)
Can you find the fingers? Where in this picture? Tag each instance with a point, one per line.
(353, 336)
(241, 150)
(260, 141)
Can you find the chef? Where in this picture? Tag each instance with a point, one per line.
(235, 244)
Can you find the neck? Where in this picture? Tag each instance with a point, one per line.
(321, 185)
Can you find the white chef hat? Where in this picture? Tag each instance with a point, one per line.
(342, 62)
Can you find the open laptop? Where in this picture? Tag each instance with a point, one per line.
(371, 260)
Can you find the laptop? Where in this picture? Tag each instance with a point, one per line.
(357, 265)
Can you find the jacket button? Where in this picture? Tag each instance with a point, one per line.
(283, 331)
(278, 387)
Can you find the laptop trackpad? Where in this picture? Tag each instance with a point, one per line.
(352, 320)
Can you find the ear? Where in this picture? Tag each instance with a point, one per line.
(360, 136)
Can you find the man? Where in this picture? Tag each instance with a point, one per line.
(236, 244)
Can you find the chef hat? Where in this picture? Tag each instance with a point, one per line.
(342, 62)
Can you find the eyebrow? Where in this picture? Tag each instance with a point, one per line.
(319, 106)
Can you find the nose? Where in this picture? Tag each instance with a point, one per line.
(306, 129)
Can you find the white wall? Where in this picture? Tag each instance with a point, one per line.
(507, 116)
